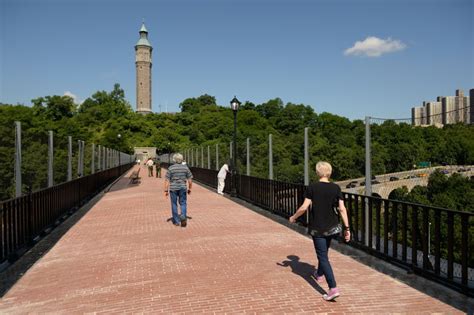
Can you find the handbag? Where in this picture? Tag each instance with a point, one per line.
(336, 229)
(331, 231)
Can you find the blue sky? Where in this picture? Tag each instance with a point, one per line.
(301, 51)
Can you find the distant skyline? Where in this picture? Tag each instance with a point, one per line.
(351, 58)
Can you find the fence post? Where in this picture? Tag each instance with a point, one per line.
(368, 177)
(93, 159)
(230, 151)
(98, 158)
(78, 158)
(248, 156)
(50, 158)
(18, 159)
(270, 157)
(208, 157)
(202, 156)
(217, 156)
(306, 157)
(83, 143)
(69, 158)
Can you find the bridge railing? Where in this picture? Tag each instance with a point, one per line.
(433, 242)
(24, 219)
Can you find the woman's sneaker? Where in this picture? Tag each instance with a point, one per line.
(332, 294)
(319, 279)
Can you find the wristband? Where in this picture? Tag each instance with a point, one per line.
(347, 228)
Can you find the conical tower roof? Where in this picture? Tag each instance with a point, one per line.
(143, 41)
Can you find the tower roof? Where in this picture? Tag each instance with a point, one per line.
(143, 41)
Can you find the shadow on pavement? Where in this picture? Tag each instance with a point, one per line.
(302, 269)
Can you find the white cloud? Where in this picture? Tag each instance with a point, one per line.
(74, 97)
(375, 47)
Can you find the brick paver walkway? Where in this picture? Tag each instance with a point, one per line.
(123, 256)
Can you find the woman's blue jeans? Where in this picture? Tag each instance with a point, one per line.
(321, 245)
(181, 196)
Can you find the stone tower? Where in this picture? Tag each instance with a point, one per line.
(143, 51)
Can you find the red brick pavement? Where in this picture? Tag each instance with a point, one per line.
(124, 257)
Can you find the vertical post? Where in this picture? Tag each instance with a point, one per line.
(69, 158)
(93, 159)
(82, 157)
(217, 156)
(202, 157)
(208, 157)
(248, 156)
(230, 151)
(18, 159)
(78, 158)
(50, 158)
(270, 157)
(306, 157)
(99, 151)
(368, 177)
(234, 158)
(192, 157)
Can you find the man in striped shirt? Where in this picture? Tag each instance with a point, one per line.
(178, 183)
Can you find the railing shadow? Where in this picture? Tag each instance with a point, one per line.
(302, 269)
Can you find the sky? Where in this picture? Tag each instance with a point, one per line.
(353, 58)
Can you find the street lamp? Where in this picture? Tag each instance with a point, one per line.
(234, 104)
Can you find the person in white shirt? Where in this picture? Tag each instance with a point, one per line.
(150, 163)
(221, 179)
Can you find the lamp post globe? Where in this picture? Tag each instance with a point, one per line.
(234, 104)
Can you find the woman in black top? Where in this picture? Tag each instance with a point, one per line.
(323, 196)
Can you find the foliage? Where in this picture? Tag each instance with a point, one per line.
(202, 122)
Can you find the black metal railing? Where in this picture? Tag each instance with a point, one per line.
(433, 242)
(25, 218)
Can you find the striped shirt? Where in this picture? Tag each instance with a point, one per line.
(177, 175)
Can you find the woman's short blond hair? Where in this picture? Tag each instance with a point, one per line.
(323, 169)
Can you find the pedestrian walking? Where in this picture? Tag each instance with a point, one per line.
(149, 164)
(221, 179)
(327, 203)
(178, 184)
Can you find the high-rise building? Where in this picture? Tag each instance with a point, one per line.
(418, 116)
(143, 50)
(449, 110)
(433, 113)
(471, 105)
(446, 110)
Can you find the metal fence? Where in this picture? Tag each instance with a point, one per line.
(24, 219)
(433, 242)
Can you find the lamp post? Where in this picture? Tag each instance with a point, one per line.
(234, 104)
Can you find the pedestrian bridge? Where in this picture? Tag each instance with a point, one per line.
(119, 253)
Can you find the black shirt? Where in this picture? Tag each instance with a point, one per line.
(323, 196)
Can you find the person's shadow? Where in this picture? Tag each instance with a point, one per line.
(302, 269)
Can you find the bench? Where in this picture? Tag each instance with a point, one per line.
(135, 177)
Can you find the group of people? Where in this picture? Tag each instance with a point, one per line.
(324, 197)
(149, 164)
